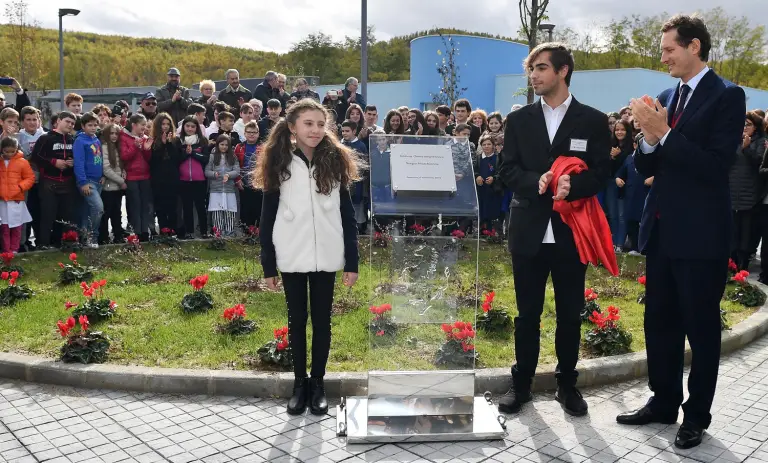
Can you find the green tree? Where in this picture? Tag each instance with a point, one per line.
(617, 32)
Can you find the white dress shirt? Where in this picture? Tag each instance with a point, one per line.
(648, 148)
(553, 117)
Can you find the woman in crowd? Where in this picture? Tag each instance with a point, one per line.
(135, 152)
(416, 122)
(114, 185)
(164, 171)
(355, 114)
(433, 124)
(308, 233)
(479, 119)
(221, 171)
(621, 147)
(612, 118)
(191, 149)
(394, 123)
(745, 185)
(207, 99)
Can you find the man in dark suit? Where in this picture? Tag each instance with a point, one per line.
(540, 242)
(690, 142)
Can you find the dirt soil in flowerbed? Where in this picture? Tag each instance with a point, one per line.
(150, 329)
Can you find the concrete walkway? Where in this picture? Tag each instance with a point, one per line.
(61, 424)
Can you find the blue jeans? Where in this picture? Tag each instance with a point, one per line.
(93, 209)
(614, 209)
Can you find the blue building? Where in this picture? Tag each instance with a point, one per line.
(492, 71)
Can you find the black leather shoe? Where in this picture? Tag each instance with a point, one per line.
(297, 404)
(513, 400)
(571, 400)
(318, 405)
(689, 435)
(645, 415)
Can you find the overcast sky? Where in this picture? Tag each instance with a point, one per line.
(274, 25)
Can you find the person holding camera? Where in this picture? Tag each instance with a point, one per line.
(172, 98)
(22, 99)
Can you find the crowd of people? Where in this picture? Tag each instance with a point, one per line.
(183, 163)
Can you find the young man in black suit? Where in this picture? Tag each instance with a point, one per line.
(540, 242)
(690, 142)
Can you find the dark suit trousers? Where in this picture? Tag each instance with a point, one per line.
(683, 299)
(530, 276)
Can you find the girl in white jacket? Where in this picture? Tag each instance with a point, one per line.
(308, 232)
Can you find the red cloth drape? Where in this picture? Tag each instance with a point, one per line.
(586, 219)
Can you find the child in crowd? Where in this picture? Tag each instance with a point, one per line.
(226, 122)
(88, 173)
(30, 132)
(16, 178)
(104, 114)
(114, 186)
(308, 232)
(74, 104)
(9, 123)
(164, 171)
(247, 154)
(486, 177)
(273, 116)
(196, 110)
(498, 142)
(191, 152)
(359, 190)
(135, 152)
(222, 170)
(218, 107)
(246, 116)
(461, 149)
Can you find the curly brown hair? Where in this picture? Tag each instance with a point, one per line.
(335, 164)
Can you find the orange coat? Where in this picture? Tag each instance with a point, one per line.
(586, 219)
(15, 179)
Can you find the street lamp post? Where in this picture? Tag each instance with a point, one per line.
(364, 50)
(63, 12)
(548, 28)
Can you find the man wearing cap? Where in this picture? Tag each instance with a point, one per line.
(172, 98)
(148, 106)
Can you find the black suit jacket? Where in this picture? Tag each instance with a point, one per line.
(690, 191)
(528, 154)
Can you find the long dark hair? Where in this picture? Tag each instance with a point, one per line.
(198, 131)
(113, 149)
(388, 125)
(334, 163)
(427, 129)
(229, 156)
(627, 142)
(419, 120)
(157, 129)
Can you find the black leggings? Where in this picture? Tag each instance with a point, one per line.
(113, 213)
(321, 285)
(194, 194)
(250, 206)
(165, 202)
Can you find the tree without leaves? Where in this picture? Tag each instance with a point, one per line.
(450, 73)
(22, 36)
(531, 15)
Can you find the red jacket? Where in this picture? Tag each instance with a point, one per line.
(135, 159)
(586, 219)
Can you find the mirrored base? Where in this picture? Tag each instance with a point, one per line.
(353, 421)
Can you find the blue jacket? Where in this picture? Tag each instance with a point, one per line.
(358, 189)
(634, 190)
(88, 159)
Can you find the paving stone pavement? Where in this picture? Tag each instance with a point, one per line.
(62, 424)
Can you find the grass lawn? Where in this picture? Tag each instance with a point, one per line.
(150, 329)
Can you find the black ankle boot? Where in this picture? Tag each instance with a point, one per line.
(297, 404)
(318, 405)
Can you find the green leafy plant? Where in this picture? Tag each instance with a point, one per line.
(744, 293)
(197, 301)
(96, 307)
(277, 352)
(641, 297)
(74, 272)
(167, 237)
(458, 350)
(132, 243)
(70, 241)
(590, 304)
(82, 346)
(13, 292)
(236, 322)
(493, 320)
(252, 237)
(218, 243)
(491, 236)
(608, 337)
(724, 321)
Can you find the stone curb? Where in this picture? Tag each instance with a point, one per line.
(592, 372)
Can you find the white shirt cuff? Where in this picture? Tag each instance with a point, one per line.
(664, 138)
(646, 148)
(20, 91)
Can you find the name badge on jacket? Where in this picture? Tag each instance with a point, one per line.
(578, 145)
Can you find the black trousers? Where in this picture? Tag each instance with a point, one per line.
(139, 204)
(321, 285)
(763, 222)
(194, 198)
(683, 299)
(741, 244)
(33, 206)
(58, 200)
(530, 275)
(633, 231)
(250, 206)
(165, 202)
(113, 214)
